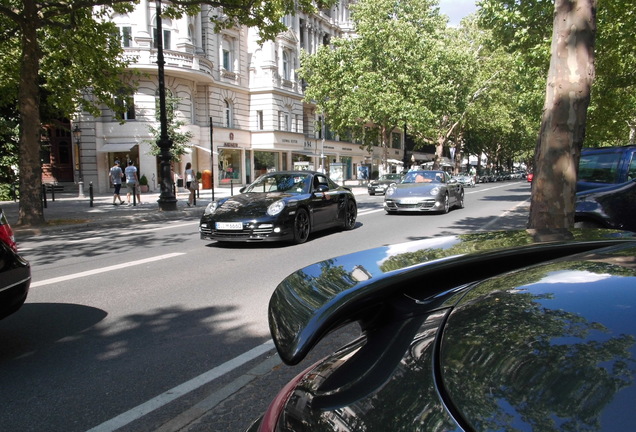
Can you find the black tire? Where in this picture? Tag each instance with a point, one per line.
(446, 208)
(371, 193)
(302, 226)
(460, 203)
(587, 224)
(351, 213)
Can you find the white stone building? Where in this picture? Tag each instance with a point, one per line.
(242, 101)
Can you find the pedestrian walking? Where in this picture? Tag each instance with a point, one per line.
(132, 182)
(190, 181)
(116, 175)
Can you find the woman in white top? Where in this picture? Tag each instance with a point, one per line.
(189, 178)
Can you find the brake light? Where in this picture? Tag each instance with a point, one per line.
(270, 418)
(6, 233)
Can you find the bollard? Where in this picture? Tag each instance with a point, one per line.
(90, 193)
(15, 192)
(231, 187)
(44, 196)
(194, 197)
(52, 192)
(134, 196)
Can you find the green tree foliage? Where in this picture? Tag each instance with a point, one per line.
(391, 74)
(179, 139)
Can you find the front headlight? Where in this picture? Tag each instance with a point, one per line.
(210, 208)
(435, 191)
(390, 191)
(276, 208)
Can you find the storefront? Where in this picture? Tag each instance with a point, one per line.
(230, 166)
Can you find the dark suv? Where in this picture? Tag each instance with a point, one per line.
(605, 166)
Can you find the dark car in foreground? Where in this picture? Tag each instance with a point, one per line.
(424, 191)
(381, 184)
(283, 205)
(15, 272)
(502, 331)
(611, 206)
(604, 166)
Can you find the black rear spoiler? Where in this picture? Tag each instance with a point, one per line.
(326, 295)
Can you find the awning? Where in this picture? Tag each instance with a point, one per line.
(116, 147)
(395, 161)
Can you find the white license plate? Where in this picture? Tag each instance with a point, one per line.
(410, 200)
(229, 225)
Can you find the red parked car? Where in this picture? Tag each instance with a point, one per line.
(15, 271)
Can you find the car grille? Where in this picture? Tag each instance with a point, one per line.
(244, 233)
(421, 205)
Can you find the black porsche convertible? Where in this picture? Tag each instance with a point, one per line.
(280, 206)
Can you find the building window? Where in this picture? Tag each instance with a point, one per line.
(227, 55)
(125, 107)
(166, 39)
(286, 20)
(125, 36)
(286, 123)
(228, 114)
(285, 65)
(165, 26)
(259, 120)
(396, 140)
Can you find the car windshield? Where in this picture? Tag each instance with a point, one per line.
(390, 177)
(423, 177)
(290, 183)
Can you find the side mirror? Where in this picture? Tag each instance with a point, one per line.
(241, 190)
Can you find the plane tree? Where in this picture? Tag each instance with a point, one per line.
(523, 27)
(393, 73)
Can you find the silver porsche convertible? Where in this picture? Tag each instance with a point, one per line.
(424, 191)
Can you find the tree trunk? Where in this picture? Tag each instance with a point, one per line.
(562, 131)
(31, 211)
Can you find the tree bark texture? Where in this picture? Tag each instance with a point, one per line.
(31, 211)
(562, 130)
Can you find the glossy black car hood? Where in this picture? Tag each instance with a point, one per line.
(551, 347)
(357, 287)
(253, 204)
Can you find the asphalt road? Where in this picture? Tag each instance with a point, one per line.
(145, 327)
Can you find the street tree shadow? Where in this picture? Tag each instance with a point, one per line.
(83, 367)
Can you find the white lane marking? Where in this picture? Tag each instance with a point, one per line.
(366, 212)
(182, 389)
(85, 240)
(103, 269)
(504, 214)
(169, 227)
(473, 190)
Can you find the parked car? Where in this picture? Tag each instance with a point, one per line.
(15, 271)
(611, 206)
(424, 191)
(380, 185)
(465, 179)
(476, 332)
(606, 165)
(286, 205)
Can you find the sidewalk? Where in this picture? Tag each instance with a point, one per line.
(70, 212)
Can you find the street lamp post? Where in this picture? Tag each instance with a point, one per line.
(167, 200)
(77, 135)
